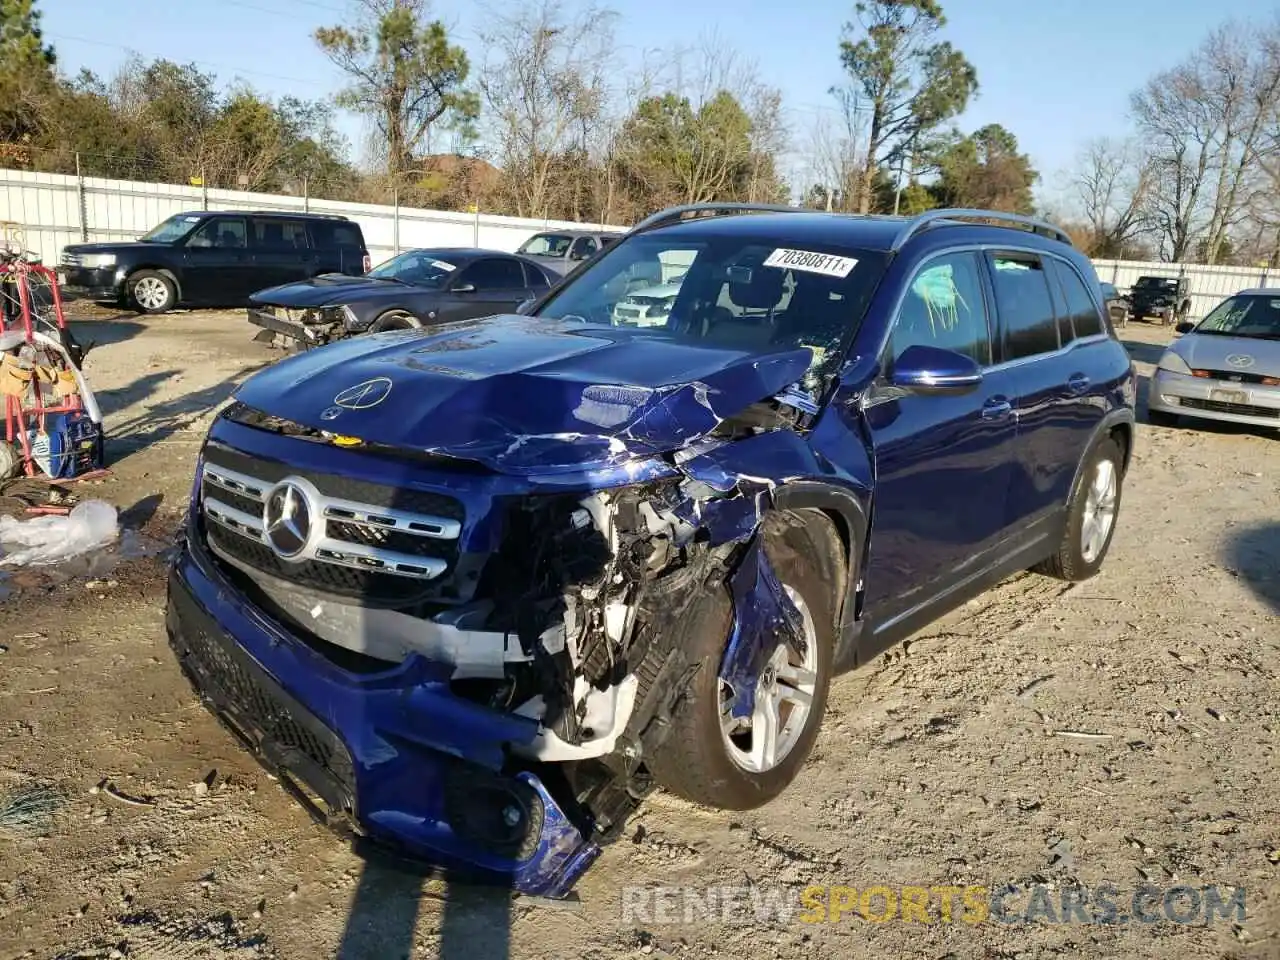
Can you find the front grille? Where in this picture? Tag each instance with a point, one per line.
(352, 538)
(70, 259)
(275, 725)
(1239, 409)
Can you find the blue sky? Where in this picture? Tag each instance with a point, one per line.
(1054, 73)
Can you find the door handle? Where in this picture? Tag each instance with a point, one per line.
(1077, 383)
(996, 408)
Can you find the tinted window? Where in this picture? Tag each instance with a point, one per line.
(535, 277)
(1023, 305)
(944, 307)
(495, 274)
(347, 235)
(1080, 306)
(280, 234)
(221, 232)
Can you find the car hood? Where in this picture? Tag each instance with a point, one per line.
(114, 246)
(331, 290)
(1208, 351)
(520, 394)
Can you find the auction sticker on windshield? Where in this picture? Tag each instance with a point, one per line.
(808, 261)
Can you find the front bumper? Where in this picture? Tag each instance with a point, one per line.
(286, 328)
(101, 283)
(1231, 402)
(394, 757)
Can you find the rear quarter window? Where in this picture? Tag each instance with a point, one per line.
(1083, 312)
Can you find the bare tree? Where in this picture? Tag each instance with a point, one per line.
(1113, 182)
(545, 86)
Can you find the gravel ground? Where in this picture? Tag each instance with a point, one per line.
(1120, 732)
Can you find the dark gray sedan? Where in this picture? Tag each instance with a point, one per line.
(413, 289)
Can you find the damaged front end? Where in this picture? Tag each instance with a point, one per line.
(473, 665)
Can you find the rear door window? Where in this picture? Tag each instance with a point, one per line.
(273, 234)
(1028, 325)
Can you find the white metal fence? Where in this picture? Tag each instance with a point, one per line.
(55, 210)
(1209, 285)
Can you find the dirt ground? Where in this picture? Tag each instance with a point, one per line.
(955, 761)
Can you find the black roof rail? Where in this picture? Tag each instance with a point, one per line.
(935, 217)
(676, 214)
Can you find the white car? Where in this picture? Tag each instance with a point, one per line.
(1226, 367)
(647, 306)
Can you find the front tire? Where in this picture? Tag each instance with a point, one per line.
(702, 759)
(1091, 516)
(152, 292)
(395, 320)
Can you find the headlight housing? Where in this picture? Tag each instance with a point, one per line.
(92, 261)
(1173, 363)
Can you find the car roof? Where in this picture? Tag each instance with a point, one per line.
(290, 214)
(1259, 292)
(462, 253)
(867, 232)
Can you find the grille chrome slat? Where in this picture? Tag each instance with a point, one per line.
(236, 482)
(378, 541)
(236, 520)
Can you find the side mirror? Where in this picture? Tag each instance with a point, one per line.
(1186, 326)
(524, 305)
(933, 370)
(465, 288)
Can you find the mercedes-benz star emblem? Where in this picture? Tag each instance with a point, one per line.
(287, 520)
(1240, 360)
(364, 395)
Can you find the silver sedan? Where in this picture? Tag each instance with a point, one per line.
(1226, 367)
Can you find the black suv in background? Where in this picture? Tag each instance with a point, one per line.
(213, 259)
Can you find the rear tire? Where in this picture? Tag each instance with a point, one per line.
(698, 759)
(1092, 512)
(151, 292)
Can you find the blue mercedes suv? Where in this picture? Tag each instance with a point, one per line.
(472, 591)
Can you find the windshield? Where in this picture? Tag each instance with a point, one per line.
(1156, 283)
(734, 292)
(546, 245)
(173, 229)
(1256, 317)
(418, 267)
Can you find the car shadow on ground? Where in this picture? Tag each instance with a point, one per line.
(102, 333)
(475, 920)
(1144, 352)
(161, 421)
(1254, 555)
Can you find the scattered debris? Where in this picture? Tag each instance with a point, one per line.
(1025, 692)
(28, 811)
(1216, 714)
(54, 539)
(112, 791)
(1082, 735)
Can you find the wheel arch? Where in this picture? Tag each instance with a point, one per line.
(847, 516)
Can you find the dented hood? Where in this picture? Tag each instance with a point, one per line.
(520, 394)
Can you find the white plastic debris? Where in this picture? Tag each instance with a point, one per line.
(47, 540)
